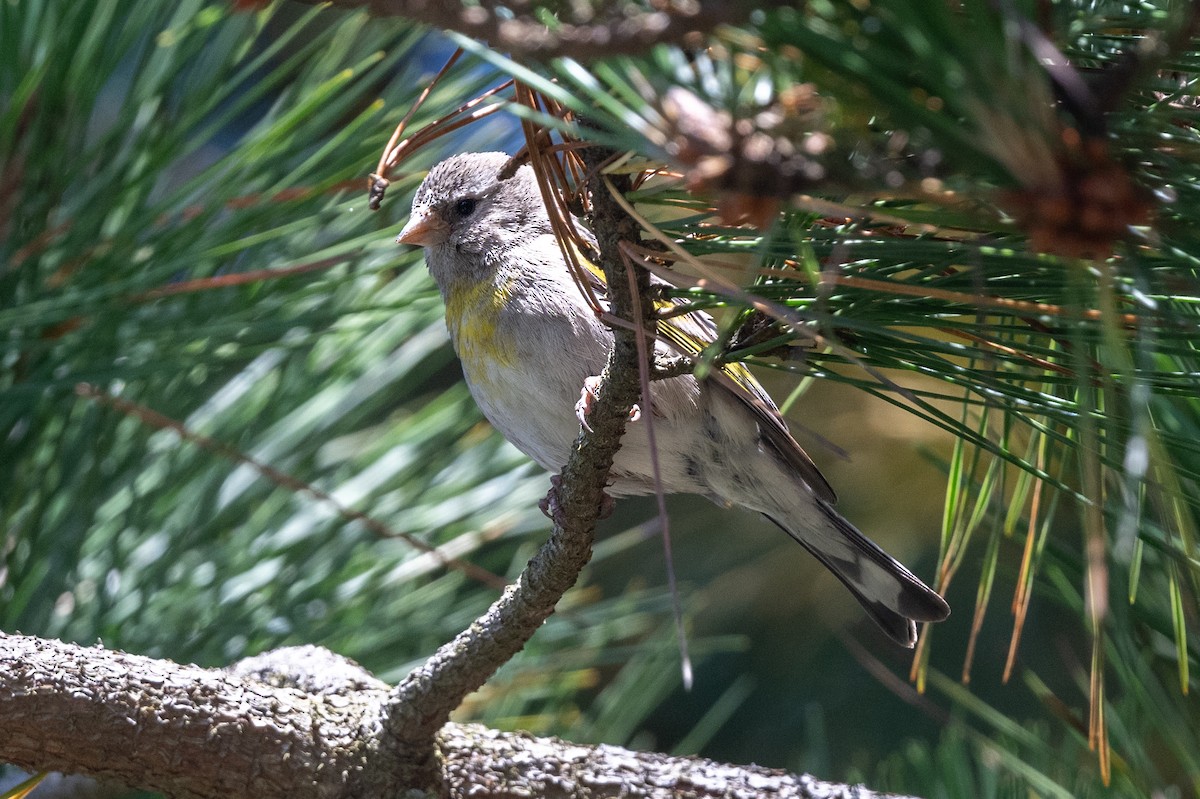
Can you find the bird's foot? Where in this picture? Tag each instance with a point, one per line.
(587, 397)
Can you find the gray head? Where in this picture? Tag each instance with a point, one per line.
(467, 217)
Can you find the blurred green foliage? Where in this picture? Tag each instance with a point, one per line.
(188, 269)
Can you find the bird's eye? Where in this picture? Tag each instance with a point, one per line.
(464, 207)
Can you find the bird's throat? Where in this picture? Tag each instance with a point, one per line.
(473, 316)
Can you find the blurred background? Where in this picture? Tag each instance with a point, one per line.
(214, 360)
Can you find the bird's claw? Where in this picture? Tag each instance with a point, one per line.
(587, 397)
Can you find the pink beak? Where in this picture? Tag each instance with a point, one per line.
(425, 228)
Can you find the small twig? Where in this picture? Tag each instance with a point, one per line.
(153, 418)
(239, 278)
(384, 158)
(668, 366)
(394, 153)
(664, 519)
(618, 28)
(932, 292)
(553, 184)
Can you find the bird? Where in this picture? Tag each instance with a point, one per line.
(530, 343)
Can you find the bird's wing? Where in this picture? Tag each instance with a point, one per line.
(689, 334)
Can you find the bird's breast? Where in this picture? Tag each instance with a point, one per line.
(473, 314)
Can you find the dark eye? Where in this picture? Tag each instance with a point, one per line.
(464, 207)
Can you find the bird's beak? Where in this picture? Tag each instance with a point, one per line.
(425, 228)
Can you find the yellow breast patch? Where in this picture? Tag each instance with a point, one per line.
(473, 317)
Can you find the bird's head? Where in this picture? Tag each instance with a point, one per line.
(471, 210)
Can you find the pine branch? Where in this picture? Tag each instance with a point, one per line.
(250, 731)
(616, 28)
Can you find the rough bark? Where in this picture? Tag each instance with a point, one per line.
(249, 731)
(182, 730)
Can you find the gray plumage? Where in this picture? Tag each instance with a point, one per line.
(528, 341)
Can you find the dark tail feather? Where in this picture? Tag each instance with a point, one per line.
(892, 595)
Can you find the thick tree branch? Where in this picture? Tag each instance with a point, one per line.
(182, 730)
(616, 28)
(192, 732)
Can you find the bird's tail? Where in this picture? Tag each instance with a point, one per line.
(892, 595)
